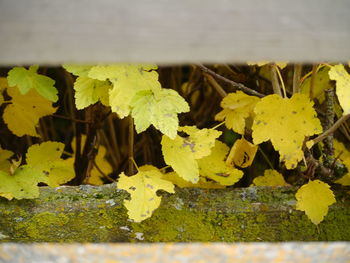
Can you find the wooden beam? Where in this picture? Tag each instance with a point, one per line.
(170, 32)
(336, 252)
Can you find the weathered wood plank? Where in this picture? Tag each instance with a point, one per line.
(181, 253)
(96, 214)
(164, 32)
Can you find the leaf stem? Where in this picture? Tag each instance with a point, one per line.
(217, 126)
(281, 80)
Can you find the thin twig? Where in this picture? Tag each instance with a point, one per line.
(102, 173)
(312, 80)
(131, 146)
(216, 85)
(332, 129)
(274, 80)
(231, 82)
(296, 78)
(281, 80)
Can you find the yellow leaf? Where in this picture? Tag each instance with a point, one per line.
(158, 108)
(45, 159)
(314, 198)
(321, 83)
(242, 153)
(286, 122)
(344, 155)
(270, 178)
(342, 77)
(143, 188)
(89, 91)
(23, 114)
(237, 107)
(3, 86)
(309, 144)
(202, 183)
(127, 80)
(215, 168)
(181, 153)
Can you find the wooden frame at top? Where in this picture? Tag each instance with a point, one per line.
(173, 32)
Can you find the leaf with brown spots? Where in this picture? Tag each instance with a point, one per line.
(143, 188)
(286, 122)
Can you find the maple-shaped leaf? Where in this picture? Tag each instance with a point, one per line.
(214, 167)
(143, 188)
(270, 178)
(78, 70)
(29, 79)
(242, 153)
(286, 122)
(342, 77)
(344, 155)
(5, 163)
(23, 114)
(237, 107)
(23, 183)
(202, 182)
(314, 198)
(127, 81)
(89, 91)
(158, 107)
(321, 83)
(45, 159)
(181, 152)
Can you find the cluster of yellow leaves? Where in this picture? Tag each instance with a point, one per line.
(128, 88)
(314, 198)
(143, 188)
(23, 112)
(286, 122)
(44, 165)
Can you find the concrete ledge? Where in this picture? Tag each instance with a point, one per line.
(180, 253)
(96, 214)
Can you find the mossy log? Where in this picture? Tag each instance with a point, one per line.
(96, 214)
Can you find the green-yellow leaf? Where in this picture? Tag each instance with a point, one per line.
(23, 114)
(78, 70)
(270, 178)
(342, 77)
(237, 107)
(127, 81)
(45, 159)
(214, 167)
(159, 108)
(28, 79)
(89, 91)
(286, 122)
(143, 188)
(314, 198)
(280, 64)
(181, 153)
(22, 184)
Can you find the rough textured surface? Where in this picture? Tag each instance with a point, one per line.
(182, 31)
(96, 214)
(179, 253)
